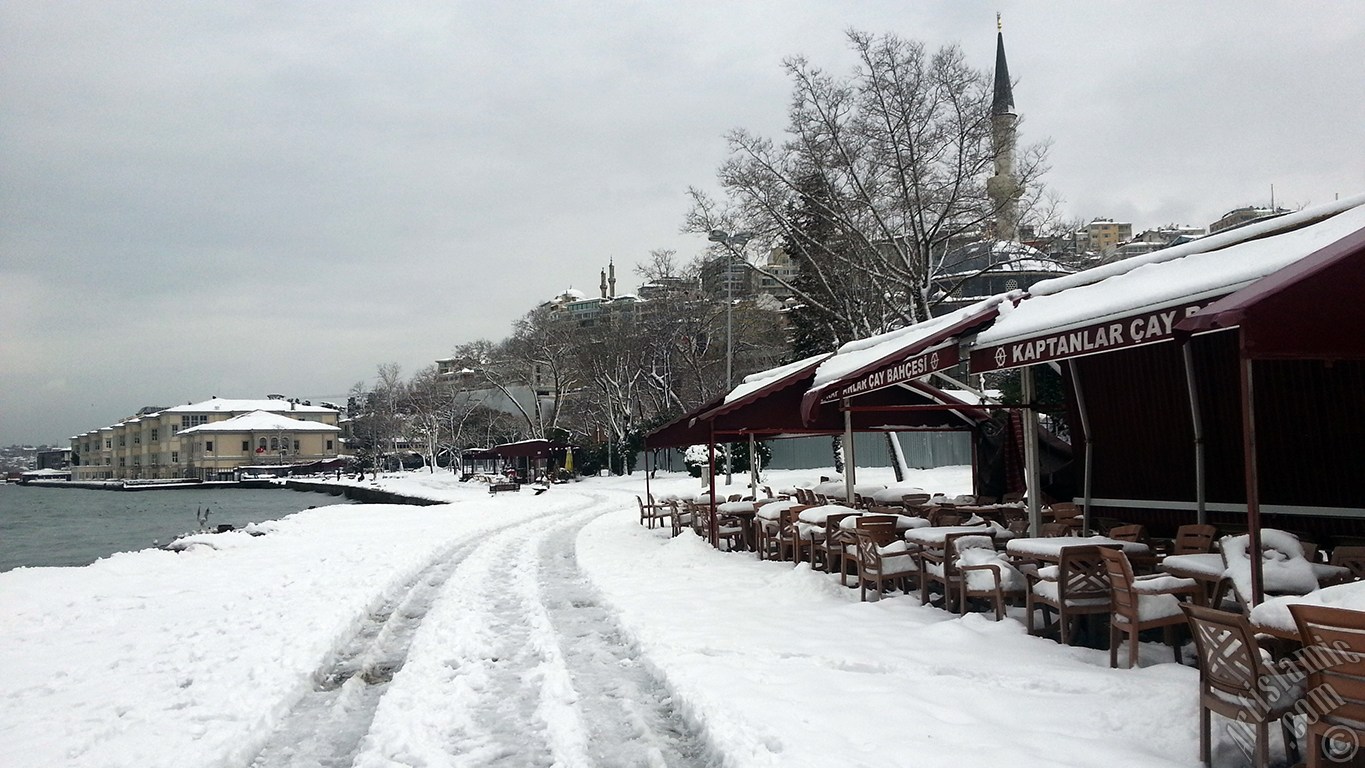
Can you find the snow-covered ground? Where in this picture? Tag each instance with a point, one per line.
(523, 630)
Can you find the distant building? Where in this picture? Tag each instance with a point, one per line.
(576, 307)
(53, 458)
(1103, 236)
(725, 277)
(781, 272)
(1245, 215)
(149, 445)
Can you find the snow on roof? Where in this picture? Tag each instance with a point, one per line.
(757, 381)
(261, 421)
(1203, 244)
(224, 405)
(1163, 278)
(859, 353)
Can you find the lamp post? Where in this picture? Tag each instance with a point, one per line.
(732, 244)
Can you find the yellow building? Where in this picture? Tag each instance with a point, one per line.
(219, 449)
(147, 446)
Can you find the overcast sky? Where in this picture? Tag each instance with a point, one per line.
(235, 198)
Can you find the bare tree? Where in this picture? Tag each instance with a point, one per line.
(893, 160)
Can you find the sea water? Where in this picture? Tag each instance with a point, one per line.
(76, 526)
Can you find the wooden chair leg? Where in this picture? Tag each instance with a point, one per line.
(1205, 715)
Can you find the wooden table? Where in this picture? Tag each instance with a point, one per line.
(1273, 618)
(744, 512)
(903, 522)
(1208, 569)
(1049, 549)
(935, 536)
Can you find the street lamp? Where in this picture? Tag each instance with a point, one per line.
(732, 243)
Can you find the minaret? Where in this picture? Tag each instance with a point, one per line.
(1004, 189)
(604, 284)
(611, 281)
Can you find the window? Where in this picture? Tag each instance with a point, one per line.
(122, 440)
(107, 444)
(155, 436)
(137, 439)
(274, 444)
(175, 457)
(329, 445)
(246, 446)
(296, 446)
(208, 446)
(261, 445)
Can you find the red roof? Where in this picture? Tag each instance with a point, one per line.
(1311, 309)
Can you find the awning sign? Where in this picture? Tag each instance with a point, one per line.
(1132, 331)
(910, 369)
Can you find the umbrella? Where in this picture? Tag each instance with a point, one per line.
(568, 460)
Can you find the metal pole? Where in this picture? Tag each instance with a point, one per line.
(648, 495)
(1252, 481)
(1032, 476)
(1200, 493)
(753, 467)
(1089, 446)
(711, 473)
(850, 463)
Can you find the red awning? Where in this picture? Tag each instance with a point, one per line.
(917, 355)
(681, 431)
(534, 449)
(1311, 309)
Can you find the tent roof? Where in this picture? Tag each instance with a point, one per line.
(260, 421)
(1141, 302)
(1310, 309)
(535, 449)
(682, 431)
(888, 359)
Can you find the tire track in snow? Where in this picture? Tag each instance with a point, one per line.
(532, 670)
(326, 726)
(628, 715)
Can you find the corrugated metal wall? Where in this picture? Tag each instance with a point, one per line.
(922, 449)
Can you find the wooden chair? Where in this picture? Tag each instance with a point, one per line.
(1194, 540)
(694, 513)
(1137, 534)
(1142, 604)
(1236, 682)
(729, 531)
(790, 543)
(1352, 557)
(1335, 639)
(880, 565)
(833, 546)
(985, 574)
(1077, 585)
(651, 512)
(1054, 530)
(679, 517)
(766, 542)
(941, 566)
(912, 500)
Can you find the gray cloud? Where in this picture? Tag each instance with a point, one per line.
(237, 198)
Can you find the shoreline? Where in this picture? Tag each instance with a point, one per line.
(362, 494)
